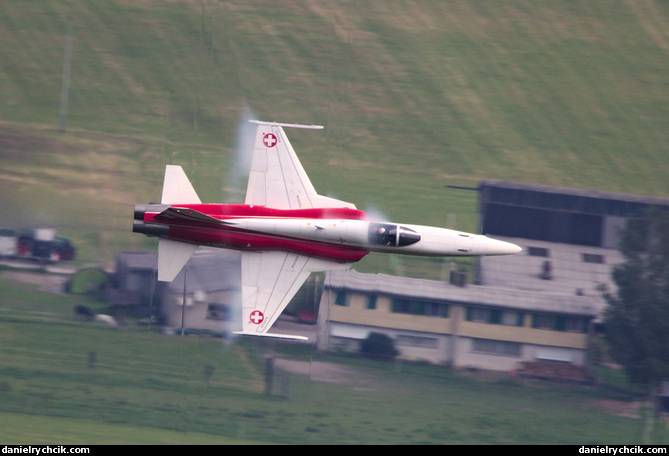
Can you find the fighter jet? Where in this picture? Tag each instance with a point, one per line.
(285, 230)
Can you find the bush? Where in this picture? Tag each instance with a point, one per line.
(87, 281)
(379, 347)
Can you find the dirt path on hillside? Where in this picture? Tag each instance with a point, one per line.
(320, 371)
(52, 283)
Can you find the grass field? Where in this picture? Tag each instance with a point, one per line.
(21, 428)
(142, 387)
(414, 96)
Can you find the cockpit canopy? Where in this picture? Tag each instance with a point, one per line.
(392, 235)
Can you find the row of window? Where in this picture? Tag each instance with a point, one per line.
(515, 318)
(585, 257)
(496, 347)
(475, 314)
(488, 346)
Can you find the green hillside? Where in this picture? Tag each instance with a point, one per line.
(413, 95)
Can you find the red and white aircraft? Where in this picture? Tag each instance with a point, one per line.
(285, 230)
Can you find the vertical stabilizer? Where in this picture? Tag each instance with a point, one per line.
(277, 178)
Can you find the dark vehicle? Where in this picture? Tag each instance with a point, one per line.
(43, 245)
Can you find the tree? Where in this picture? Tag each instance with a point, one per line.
(636, 319)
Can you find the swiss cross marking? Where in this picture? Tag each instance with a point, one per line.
(256, 317)
(269, 140)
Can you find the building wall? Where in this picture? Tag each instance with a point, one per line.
(453, 339)
(415, 346)
(205, 312)
(356, 312)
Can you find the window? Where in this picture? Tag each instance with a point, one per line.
(217, 312)
(559, 323)
(478, 314)
(371, 302)
(417, 341)
(392, 235)
(402, 306)
(511, 318)
(572, 324)
(494, 316)
(538, 252)
(542, 321)
(342, 299)
(496, 347)
(435, 309)
(592, 258)
(419, 307)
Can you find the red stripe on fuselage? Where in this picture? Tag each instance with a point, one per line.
(230, 237)
(227, 211)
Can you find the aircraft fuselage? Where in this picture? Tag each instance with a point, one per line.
(337, 234)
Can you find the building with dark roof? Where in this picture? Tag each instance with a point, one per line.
(558, 215)
(570, 236)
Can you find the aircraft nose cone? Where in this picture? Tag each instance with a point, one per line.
(490, 246)
(510, 248)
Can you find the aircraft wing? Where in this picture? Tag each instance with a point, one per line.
(269, 281)
(277, 178)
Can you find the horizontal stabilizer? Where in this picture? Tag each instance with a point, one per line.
(172, 257)
(272, 335)
(177, 189)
